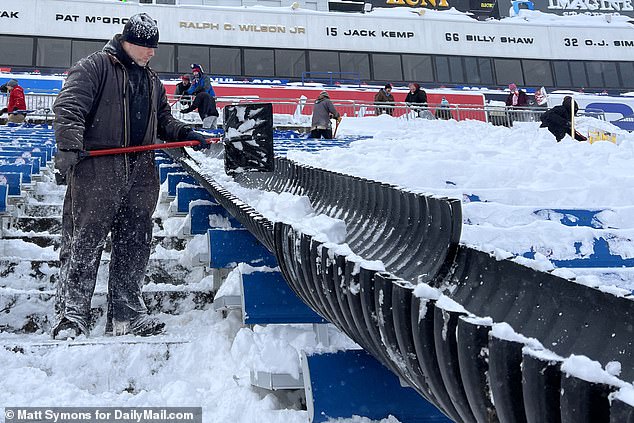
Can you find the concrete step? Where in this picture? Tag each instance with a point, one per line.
(34, 209)
(27, 206)
(56, 197)
(54, 240)
(41, 275)
(52, 224)
(29, 344)
(24, 311)
(44, 191)
(42, 241)
(48, 224)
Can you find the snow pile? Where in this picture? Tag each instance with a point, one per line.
(504, 176)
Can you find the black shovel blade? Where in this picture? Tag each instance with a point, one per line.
(249, 138)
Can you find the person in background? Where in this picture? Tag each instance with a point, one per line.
(323, 111)
(516, 99)
(16, 101)
(443, 111)
(417, 98)
(541, 97)
(207, 111)
(558, 120)
(381, 98)
(111, 99)
(181, 90)
(201, 82)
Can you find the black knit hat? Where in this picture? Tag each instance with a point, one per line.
(141, 30)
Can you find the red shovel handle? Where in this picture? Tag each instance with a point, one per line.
(139, 148)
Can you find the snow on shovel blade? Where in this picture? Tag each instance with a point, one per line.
(249, 138)
(215, 149)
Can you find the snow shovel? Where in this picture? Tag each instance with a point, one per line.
(572, 119)
(217, 150)
(334, 134)
(248, 138)
(136, 149)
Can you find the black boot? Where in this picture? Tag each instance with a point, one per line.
(142, 325)
(68, 329)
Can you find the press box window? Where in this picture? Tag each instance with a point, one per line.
(290, 63)
(562, 74)
(449, 69)
(225, 61)
(578, 73)
(81, 49)
(355, 63)
(387, 67)
(626, 69)
(16, 51)
(602, 74)
(537, 73)
(507, 71)
(417, 68)
(610, 74)
(163, 60)
(324, 61)
(53, 53)
(259, 62)
(456, 69)
(478, 70)
(192, 54)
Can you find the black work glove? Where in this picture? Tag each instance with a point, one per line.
(195, 136)
(3, 110)
(64, 162)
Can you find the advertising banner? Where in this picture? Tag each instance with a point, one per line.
(480, 8)
(569, 7)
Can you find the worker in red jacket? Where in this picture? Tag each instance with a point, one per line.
(16, 101)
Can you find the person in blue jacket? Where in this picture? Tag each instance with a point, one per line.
(201, 82)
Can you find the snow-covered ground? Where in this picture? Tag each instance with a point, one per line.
(514, 171)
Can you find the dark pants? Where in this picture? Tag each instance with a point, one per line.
(443, 113)
(109, 194)
(319, 133)
(558, 132)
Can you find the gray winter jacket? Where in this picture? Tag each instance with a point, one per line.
(323, 111)
(91, 110)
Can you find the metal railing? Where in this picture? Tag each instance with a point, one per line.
(496, 115)
(40, 106)
(300, 108)
(298, 111)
